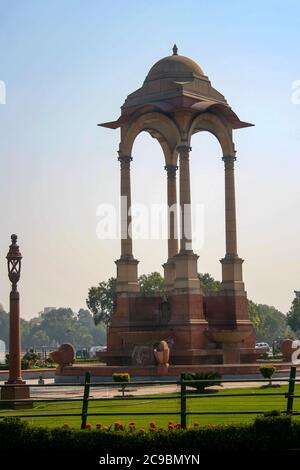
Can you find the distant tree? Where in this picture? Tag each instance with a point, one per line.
(152, 283)
(4, 330)
(25, 333)
(255, 316)
(208, 283)
(293, 316)
(4, 326)
(84, 318)
(96, 335)
(100, 300)
(83, 338)
(272, 323)
(59, 325)
(39, 339)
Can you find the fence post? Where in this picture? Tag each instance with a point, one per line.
(290, 394)
(182, 401)
(85, 401)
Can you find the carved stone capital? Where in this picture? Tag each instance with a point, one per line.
(171, 170)
(125, 161)
(184, 149)
(229, 161)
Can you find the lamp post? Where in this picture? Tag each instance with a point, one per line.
(14, 258)
(8, 391)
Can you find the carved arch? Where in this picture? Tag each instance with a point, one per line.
(212, 123)
(159, 126)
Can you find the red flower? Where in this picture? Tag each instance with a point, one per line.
(119, 426)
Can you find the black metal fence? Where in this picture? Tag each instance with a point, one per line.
(185, 394)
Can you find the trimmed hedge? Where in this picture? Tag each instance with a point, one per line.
(121, 377)
(266, 433)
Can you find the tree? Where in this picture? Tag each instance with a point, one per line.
(85, 319)
(208, 283)
(255, 316)
(293, 316)
(40, 339)
(4, 326)
(269, 323)
(100, 300)
(25, 333)
(152, 283)
(59, 325)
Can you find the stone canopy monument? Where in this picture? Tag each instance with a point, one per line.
(176, 101)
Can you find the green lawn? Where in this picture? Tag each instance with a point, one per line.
(211, 402)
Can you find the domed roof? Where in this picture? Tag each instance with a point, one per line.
(175, 67)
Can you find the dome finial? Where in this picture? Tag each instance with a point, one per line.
(175, 49)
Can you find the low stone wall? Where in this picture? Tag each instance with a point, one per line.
(103, 373)
(30, 374)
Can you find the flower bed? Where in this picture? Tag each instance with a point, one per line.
(126, 439)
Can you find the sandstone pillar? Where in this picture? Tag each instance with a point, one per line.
(186, 260)
(232, 277)
(169, 266)
(126, 265)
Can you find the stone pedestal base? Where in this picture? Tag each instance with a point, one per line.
(199, 329)
(231, 354)
(15, 393)
(186, 271)
(162, 369)
(127, 280)
(232, 273)
(169, 274)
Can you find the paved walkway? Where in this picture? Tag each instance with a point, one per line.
(108, 392)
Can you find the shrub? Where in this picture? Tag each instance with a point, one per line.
(267, 372)
(264, 356)
(276, 429)
(272, 413)
(207, 380)
(123, 378)
(270, 433)
(25, 364)
(30, 359)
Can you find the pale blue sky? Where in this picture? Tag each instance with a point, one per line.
(69, 65)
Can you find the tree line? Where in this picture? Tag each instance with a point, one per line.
(55, 327)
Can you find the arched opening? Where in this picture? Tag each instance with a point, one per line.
(208, 205)
(149, 204)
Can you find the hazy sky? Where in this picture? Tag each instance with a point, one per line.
(70, 64)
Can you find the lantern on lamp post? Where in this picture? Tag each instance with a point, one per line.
(14, 258)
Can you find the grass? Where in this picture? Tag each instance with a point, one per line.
(209, 403)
